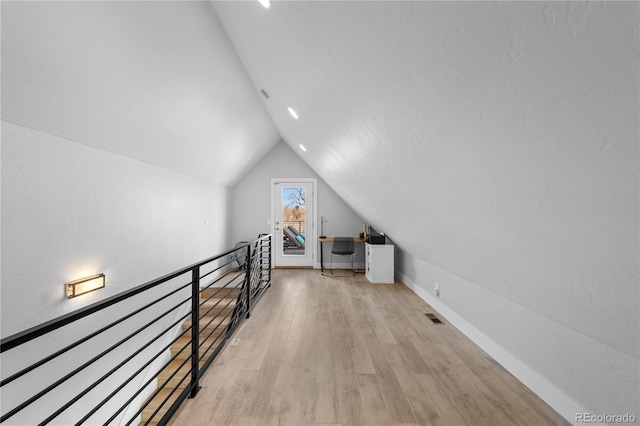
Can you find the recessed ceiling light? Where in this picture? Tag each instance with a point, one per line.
(265, 3)
(293, 113)
(303, 148)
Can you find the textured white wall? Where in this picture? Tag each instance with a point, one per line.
(70, 210)
(251, 200)
(497, 141)
(573, 372)
(122, 122)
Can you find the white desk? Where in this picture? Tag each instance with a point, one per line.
(379, 263)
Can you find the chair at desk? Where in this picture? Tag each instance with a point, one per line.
(342, 246)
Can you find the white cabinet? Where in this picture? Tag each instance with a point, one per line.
(379, 263)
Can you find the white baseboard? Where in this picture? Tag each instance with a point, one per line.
(560, 402)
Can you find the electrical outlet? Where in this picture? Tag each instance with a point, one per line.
(436, 290)
(234, 342)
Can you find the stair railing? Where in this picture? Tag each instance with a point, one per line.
(135, 356)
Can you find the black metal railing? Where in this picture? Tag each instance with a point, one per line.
(133, 357)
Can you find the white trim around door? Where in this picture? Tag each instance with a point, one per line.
(295, 246)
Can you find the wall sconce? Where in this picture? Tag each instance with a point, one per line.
(84, 285)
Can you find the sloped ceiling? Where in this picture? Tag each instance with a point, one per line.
(497, 141)
(154, 81)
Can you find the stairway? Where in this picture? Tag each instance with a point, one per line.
(215, 317)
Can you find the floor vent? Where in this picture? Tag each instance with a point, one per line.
(434, 318)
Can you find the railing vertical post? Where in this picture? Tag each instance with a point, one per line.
(269, 254)
(248, 280)
(195, 330)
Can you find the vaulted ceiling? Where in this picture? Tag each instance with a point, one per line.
(497, 141)
(494, 140)
(155, 81)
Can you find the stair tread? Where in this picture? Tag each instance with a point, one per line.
(176, 364)
(213, 307)
(155, 402)
(220, 292)
(201, 353)
(176, 379)
(173, 366)
(221, 301)
(208, 335)
(206, 328)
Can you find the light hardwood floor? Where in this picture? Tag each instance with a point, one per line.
(341, 351)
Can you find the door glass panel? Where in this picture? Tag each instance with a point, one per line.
(294, 221)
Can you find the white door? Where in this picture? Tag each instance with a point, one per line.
(293, 202)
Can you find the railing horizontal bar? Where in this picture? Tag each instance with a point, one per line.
(218, 279)
(252, 283)
(218, 340)
(226, 253)
(44, 328)
(216, 327)
(150, 397)
(37, 331)
(172, 410)
(216, 305)
(161, 404)
(259, 295)
(210, 344)
(227, 286)
(178, 352)
(229, 332)
(209, 273)
(83, 340)
(168, 379)
(186, 345)
(181, 397)
(233, 326)
(83, 366)
(207, 336)
(210, 286)
(109, 373)
(227, 263)
(217, 269)
(117, 367)
(160, 352)
(151, 379)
